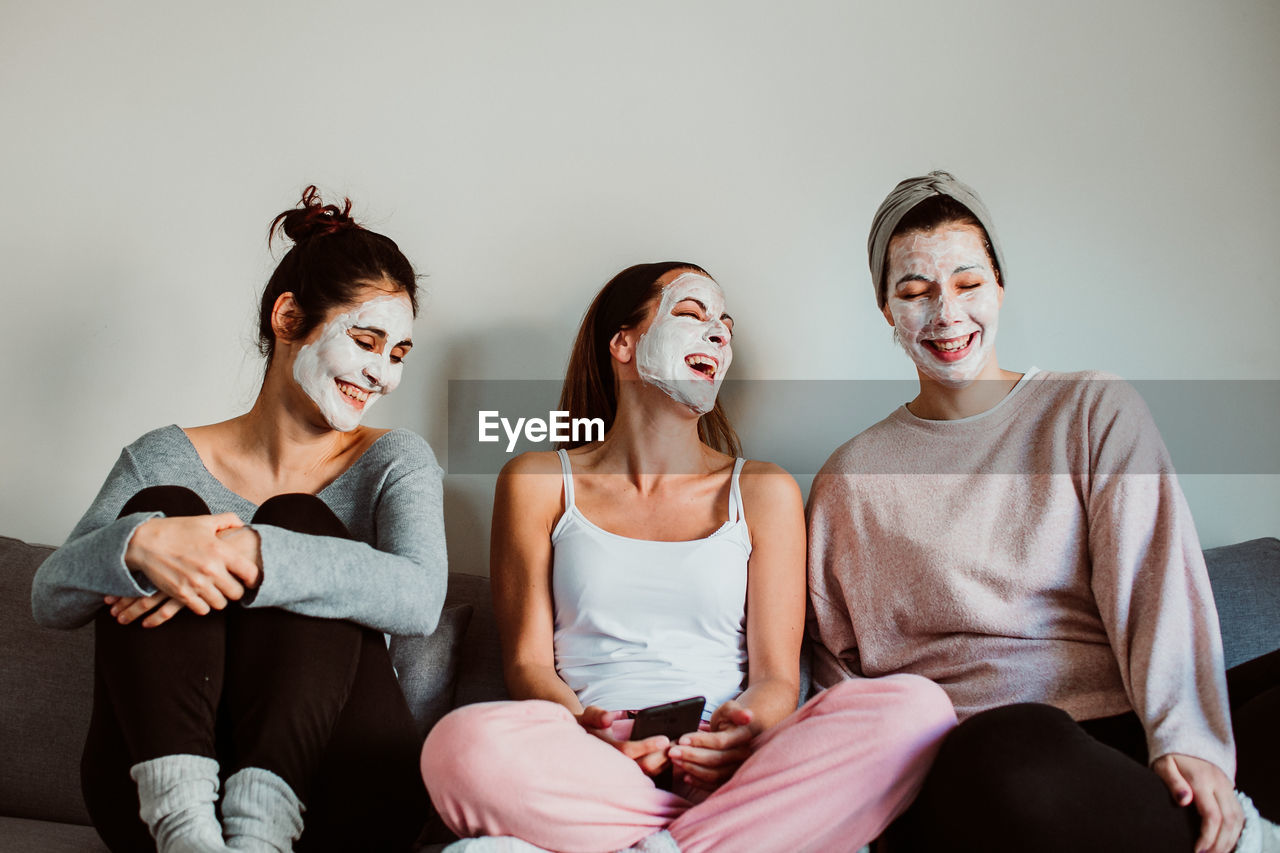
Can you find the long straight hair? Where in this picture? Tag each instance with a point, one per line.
(590, 387)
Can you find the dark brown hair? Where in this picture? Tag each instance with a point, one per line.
(590, 388)
(933, 213)
(331, 259)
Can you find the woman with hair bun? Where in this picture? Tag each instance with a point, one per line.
(240, 577)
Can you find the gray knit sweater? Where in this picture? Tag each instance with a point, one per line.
(391, 577)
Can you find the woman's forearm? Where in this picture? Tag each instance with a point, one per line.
(540, 682)
(770, 700)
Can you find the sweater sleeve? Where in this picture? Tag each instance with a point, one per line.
(831, 557)
(68, 587)
(1151, 585)
(397, 585)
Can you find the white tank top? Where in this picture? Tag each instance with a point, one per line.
(639, 622)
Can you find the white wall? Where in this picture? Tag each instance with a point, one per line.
(521, 153)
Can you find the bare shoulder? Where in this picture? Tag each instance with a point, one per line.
(532, 480)
(211, 439)
(527, 504)
(205, 431)
(533, 462)
(768, 486)
(774, 513)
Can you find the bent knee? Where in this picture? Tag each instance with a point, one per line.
(301, 513)
(1010, 751)
(171, 500)
(474, 746)
(912, 696)
(927, 701)
(1031, 727)
(454, 743)
(909, 706)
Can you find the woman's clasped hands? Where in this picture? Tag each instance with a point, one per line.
(199, 562)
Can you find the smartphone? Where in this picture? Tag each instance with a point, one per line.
(671, 719)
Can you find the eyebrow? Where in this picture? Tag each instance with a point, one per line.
(698, 302)
(695, 301)
(374, 330)
(911, 276)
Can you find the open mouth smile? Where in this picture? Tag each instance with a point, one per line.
(355, 395)
(952, 349)
(703, 365)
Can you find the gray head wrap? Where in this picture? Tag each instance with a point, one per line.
(899, 203)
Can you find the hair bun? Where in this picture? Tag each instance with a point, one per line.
(313, 218)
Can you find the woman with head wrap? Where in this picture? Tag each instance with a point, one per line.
(1024, 543)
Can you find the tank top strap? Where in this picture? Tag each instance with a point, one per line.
(736, 510)
(567, 470)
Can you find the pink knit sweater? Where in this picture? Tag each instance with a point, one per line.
(1039, 552)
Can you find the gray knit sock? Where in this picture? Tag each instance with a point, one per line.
(260, 812)
(177, 794)
(1260, 835)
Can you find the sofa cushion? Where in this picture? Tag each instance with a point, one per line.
(480, 665)
(46, 679)
(51, 671)
(1246, 587)
(40, 836)
(428, 666)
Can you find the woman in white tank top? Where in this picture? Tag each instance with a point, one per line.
(652, 566)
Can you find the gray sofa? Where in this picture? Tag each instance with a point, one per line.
(46, 678)
(46, 692)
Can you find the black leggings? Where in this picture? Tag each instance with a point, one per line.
(315, 701)
(1027, 777)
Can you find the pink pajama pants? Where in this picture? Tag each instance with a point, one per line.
(831, 776)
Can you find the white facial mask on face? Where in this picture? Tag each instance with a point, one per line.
(343, 378)
(949, 332)
(673, 344)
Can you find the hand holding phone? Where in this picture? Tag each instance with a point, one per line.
(671, 719)
(707, 759)
(649, 754)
